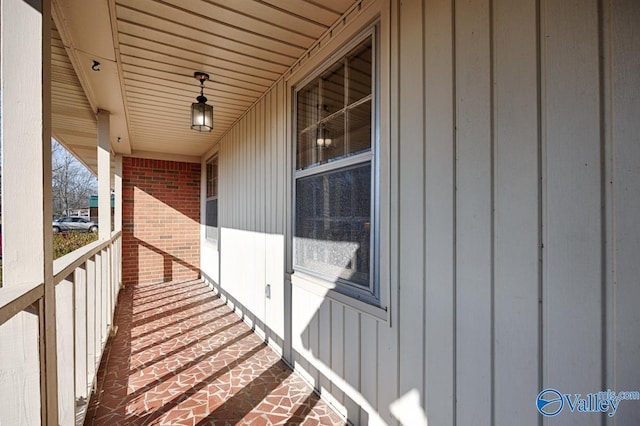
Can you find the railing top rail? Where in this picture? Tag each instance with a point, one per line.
(17, 298)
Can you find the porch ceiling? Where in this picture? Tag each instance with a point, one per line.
(148, 51)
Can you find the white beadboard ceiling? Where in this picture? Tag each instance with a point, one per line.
(148, 51)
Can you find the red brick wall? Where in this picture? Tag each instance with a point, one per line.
(160, 221)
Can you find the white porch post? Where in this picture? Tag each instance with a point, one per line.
(28, 341)
(104, 176)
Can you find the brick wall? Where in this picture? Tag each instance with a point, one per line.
(160, 220)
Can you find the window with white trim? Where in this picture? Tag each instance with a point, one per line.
(334, 178)
(212, 199)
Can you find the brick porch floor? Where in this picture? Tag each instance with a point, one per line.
(182, 357)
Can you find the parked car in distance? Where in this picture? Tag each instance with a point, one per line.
(78, 224)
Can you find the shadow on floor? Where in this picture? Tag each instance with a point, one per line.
(181, 356)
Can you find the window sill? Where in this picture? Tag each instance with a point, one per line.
(323, 288)
(210, 243)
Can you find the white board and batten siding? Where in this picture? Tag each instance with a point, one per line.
(511, 190)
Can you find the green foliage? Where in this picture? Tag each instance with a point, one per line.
(67, 242)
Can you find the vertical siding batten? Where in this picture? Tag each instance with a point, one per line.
(542, 202)
(266, 214)
(572, 292)
(439, 342)
(285, 182)
(253, 214)
(624, 233)
(516, 207)
(411, 191)
(312, 342)
(337, 349)
(260, 178)
(324, 344)
(352, 360)
(232, 182)
(368, 363)
(388, 334)
(474, 219)
(269, 188)
(279, 271)
(605, 176)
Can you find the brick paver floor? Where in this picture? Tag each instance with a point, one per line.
(182, 357)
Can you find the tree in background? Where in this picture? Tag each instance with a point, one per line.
(72, 182)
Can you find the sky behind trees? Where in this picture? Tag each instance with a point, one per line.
(72, 182)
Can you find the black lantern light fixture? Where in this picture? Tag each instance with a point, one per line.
(201, 113)
(323, 136)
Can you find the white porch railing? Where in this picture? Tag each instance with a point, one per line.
(86, 282)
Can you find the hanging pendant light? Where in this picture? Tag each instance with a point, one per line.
(201, 113)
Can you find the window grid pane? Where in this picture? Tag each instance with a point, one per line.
(324, 132)
(332, 91)
(211, 211)
(333, 224)
(212, 177)
(360, 73)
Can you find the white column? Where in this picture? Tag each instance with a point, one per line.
(28, 341)
(104, 176)
(117, 216)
